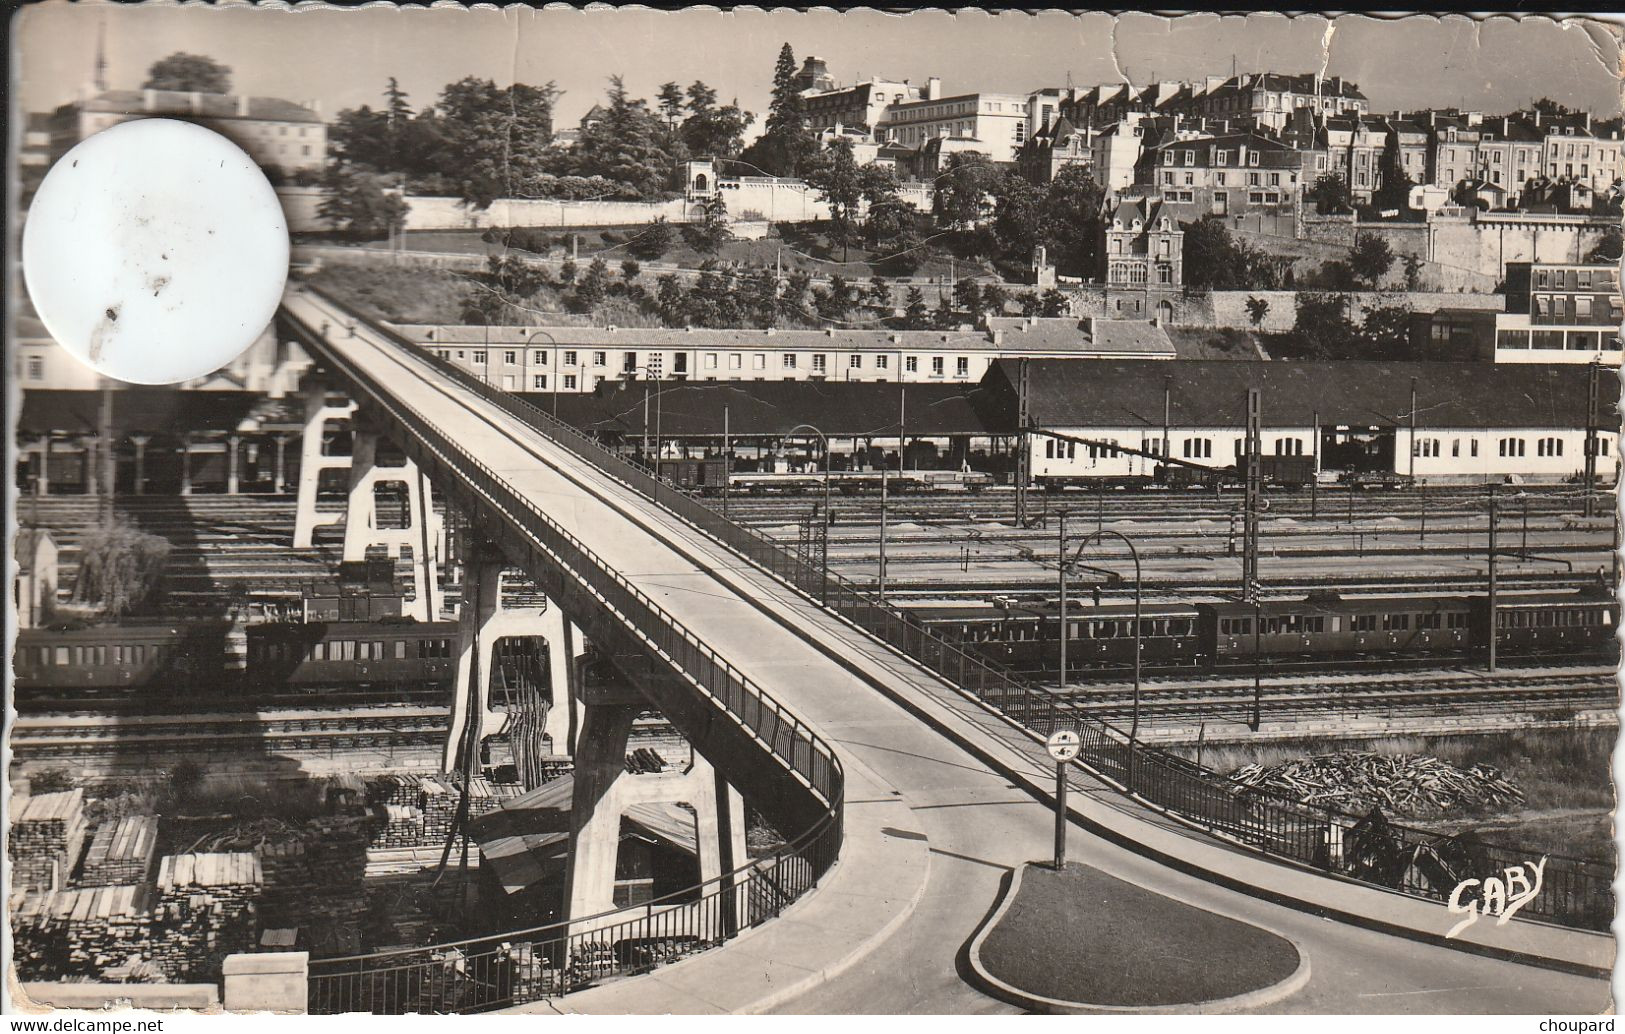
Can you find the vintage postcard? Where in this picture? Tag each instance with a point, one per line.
(814, 512)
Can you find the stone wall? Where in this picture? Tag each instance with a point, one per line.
(1327, 229)
(772, 200)
(1228, 309)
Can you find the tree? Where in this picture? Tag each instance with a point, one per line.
(961, 198)
(968, 296)
(880, 293)
(625, 145)
(708, 237)
(710, 131)
(915, 314)
(1322, 327)
(592, 287)
(993, 299)
(493, 139)
(902, 254)
(1395, 191)
(630, 270)
(1386, 330)
(1030, 304)
(188, 73)
(120, 569)
(1209, 256)
(1413, 272)
(1018, 214)
(1331, 195)
(1054, 303)
(653, 240)
(1371, 259)
(1609, 248)
(1072, 218)
(888, 215)
(1257, 309)
(761, 299)
(670, 99)
(669, 300)
(358, 205)
(785, 142)
(834, 174)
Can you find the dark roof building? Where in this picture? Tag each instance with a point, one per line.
(1213, 393)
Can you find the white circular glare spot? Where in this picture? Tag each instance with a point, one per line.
(155, 251)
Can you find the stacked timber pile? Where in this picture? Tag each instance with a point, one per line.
(121, 852)
(645, 760)
(206, 910)
(316, 879)
(46, 838)
(99, 932)
(1416, 785)
(402, 826)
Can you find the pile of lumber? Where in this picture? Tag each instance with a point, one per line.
(1417, 785)
(645, 760)
(122, 851)
(46, 838)
(100, 932)
(206, 911)
(402, 826)
(314, 879)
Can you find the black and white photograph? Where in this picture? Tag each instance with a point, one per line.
(625, 512)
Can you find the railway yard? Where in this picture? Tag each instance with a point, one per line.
(1371, 628)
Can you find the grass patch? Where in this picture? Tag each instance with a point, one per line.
(399, 294)
(1084, 937)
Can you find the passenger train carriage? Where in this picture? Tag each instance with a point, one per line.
(1318, 627)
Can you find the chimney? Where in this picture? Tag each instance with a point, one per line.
(933, 88)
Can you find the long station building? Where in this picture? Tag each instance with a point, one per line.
(1436, 422)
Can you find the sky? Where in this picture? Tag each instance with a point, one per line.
(343, 57)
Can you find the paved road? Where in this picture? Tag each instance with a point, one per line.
(977, 823)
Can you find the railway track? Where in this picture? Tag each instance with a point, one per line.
(999, 504)
(284, 732)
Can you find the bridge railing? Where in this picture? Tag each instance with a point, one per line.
(516, 967)
(1575, 892)
(473, 975)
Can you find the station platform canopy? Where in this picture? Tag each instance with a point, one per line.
(1213, 393)
(153, 410)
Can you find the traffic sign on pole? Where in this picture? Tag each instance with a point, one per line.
(1063, 745)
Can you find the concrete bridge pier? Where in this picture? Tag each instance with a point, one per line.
(603, 792)
(312, 461)
(483, 623)
(361, 528)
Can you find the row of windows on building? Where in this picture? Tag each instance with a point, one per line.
(1504, 447)
(1572, 340)
(1558, 306)
(1221, 179)
(714, 360)
(1219, 157)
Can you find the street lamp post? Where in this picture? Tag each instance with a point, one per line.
(824, 534)
(1134, 727)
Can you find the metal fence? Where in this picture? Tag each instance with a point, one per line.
(515, 967)
(489, 973)
(1575, 892)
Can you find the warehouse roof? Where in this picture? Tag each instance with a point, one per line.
(837, 408)
(143, 411)
(1213, 393)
